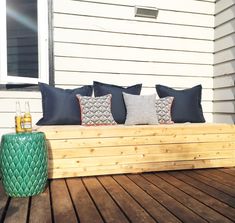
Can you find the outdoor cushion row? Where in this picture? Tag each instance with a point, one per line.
(126, 105)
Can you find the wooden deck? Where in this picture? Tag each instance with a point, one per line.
(179, 196)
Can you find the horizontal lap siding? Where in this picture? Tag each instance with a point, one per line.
(224, 62)
(103, 41)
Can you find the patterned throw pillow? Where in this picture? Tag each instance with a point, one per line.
(96, 110)
(163, 106)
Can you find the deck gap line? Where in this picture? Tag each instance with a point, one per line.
(202, 190)
(175, 198)
(133, 196)
(221, 190)
(154, 197)
(213, 178)
(102, 217)
(202, 202)
(29, 209)
(51, 203)
(5, 210)
(230, 174)
(127, 217)
(71, 198)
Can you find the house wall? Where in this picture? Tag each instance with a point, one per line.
(224, 59)
(103, 41)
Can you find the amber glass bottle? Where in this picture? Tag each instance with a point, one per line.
(27, 118)
(18, 119)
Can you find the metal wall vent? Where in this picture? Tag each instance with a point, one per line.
(146, 12)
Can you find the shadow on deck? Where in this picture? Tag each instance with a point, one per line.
(178, 196)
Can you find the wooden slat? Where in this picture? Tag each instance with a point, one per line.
(141, 158)
(139, 168)
(218, 206)
(107, 207)
(70, 152)
(17, 210)
(68, 131)
(201, 209)
(84, 205)
(40, 209)
(143, 140)
(63, 210)
(128, 205)
(154, 208)
(219, 195)
(179, 210)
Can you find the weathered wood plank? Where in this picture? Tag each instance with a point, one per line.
(63, 210)
(17, 210)
(201, 209)
(40, 210)
(230, 171)
(188, 186)
(107, 207)
(128, 205)
(217, 176)
(84, 205)
(206, 180)
(174, 206)
(153, 207)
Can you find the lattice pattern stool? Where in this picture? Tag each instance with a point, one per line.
(23, 163)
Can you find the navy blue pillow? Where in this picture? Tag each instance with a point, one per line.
(60, 106)
(118, 107)
(186, 106)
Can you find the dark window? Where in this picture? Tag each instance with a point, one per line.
(22, 38)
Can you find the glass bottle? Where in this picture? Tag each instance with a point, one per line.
(18, 119)
(27, 118)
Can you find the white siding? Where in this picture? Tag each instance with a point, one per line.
(102, 40)
(224, 62)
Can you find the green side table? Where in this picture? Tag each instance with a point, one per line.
(23, 163)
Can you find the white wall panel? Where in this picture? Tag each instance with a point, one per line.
(102, 40)
(224, 59)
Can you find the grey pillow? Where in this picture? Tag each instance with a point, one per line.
(141, 109)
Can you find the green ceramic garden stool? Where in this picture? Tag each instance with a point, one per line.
(23, 162)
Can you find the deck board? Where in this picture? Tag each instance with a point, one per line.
(174, 196)
(128, 205)
(84, 205)
(106, 205)
(40, 209)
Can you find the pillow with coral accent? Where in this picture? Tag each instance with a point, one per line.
(96, 110)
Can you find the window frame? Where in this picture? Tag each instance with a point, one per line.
(43, 48)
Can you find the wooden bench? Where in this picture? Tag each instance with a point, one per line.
(86, 151)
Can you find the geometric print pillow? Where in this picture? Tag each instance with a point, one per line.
(96, 110)
(163, 106)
